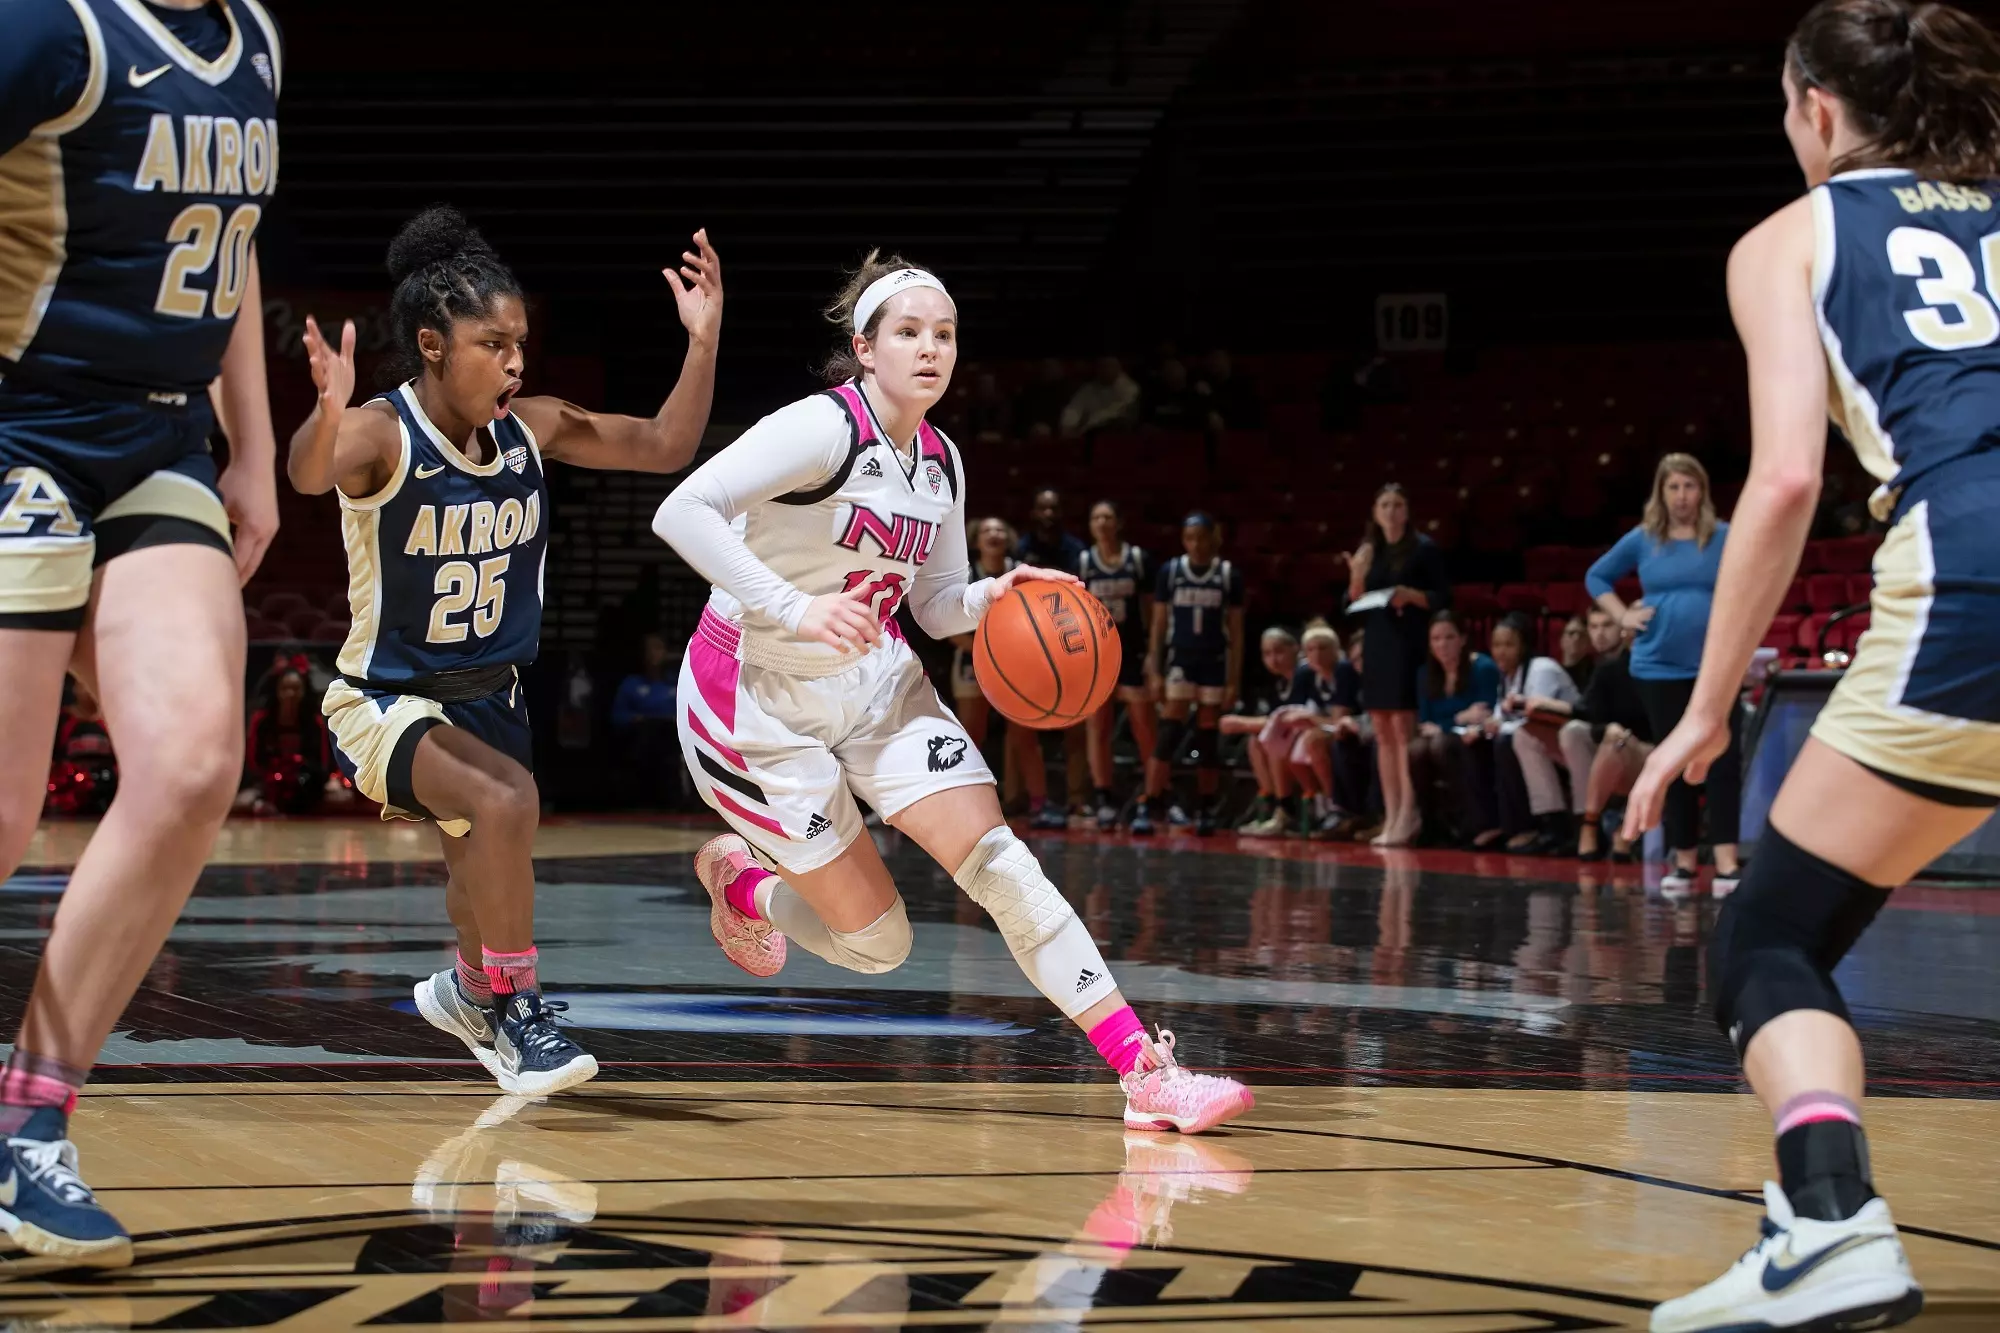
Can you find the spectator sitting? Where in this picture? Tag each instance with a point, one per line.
(1548, 739)
(1276, 710)
(1170, 402)
(1230, 399)
(1356, 784)
(1047, 544)
(1579, 655)
(1298, 740)
(643, 719)
(84, 775)
(1109, 398)
(1606, 743)
(288, 757)
(1038, 408)
(1451, 759)
(1524, 770)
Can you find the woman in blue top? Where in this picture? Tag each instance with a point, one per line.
(1676, 552)
(1458, 692)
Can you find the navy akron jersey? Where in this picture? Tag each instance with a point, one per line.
(1118, 587)
(1200, 601)
(444, 564)
(1906, 273)
(136, 168)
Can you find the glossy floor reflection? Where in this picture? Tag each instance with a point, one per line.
(1489, 1099)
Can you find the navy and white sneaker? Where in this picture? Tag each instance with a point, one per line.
(446, 1008)
(534, 1058)
(1803, 1274)
(1142, 820)
(46, 1207)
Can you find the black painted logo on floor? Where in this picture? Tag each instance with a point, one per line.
(694, 1272)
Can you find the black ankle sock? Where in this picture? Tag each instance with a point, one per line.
(1823, 1166)
(1104, 796)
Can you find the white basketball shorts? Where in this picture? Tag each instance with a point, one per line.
(782, 757)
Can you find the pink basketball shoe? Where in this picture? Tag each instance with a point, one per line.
(753, 945)
(1159, 1094)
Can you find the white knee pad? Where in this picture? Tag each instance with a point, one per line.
(1041, 929)
(879, 946)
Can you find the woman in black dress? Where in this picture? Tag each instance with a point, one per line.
(1409, 567)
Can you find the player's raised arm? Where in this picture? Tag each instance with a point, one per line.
(666, 441)
(333, 446)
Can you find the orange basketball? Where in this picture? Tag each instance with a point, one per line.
(1047, 654)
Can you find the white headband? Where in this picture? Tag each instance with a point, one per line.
(887, 286)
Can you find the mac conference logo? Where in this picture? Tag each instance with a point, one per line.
(644, 1272)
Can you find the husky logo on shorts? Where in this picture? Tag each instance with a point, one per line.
(517, 457)
(934, 475)
(947, 752)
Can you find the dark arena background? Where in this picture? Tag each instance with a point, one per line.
(1474, 249)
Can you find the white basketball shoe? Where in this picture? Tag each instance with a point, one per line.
(1829, 1277)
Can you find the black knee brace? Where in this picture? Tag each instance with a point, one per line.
(1208, 743)
(1167, 746)
(1779, 937)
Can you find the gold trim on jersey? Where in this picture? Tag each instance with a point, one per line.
(1849, 404)
(34, 225)
(170, 495)
(93, 86)
(451, 452)
(211, 72)
(1866, 719)
(361, 534)
(41, 574)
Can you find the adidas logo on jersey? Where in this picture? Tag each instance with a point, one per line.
(1084, 979)
(817, 825)
(871, 468)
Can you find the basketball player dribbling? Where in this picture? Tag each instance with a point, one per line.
(798, 694)
(1118, 574)
(1880, 284)
(138, 149)
(444, 510)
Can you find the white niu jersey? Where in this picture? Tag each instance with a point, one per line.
(816, 499)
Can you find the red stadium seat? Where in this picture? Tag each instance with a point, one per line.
(1795, 597)
(1860, 589)
(1566, 598)
(301, 624)
(329, 631)
(262, 630)
(281, 605)
(1544, 564)
(1523, 597)
(1826, 592)
(335, 605)
(1784, 634)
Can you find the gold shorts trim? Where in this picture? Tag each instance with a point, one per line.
(366, 731)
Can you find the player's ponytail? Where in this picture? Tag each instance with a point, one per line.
(1921, 82)
(444, 271)
(843, 365)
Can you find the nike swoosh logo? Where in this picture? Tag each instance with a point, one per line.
(141, 80)
(1777, 1277)
(425, 473)
(8, 1190)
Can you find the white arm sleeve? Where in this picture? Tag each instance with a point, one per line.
(942, 601)
(794, 448)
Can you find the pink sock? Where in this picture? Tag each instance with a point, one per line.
(741, 892)
(1808, 1107)
(509, 972)
(1113, 1040)
(30, 1082)
(472, 982)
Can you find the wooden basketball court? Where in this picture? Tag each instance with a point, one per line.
(1489, 1100)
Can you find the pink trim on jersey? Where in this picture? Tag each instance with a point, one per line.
(894, 629)
(1811, 1107)
(715, 675)
(723, 799)
(700, 729)
(857, 411)
(929, 443)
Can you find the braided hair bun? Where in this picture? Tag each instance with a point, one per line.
(438, 234)
(444, 271)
